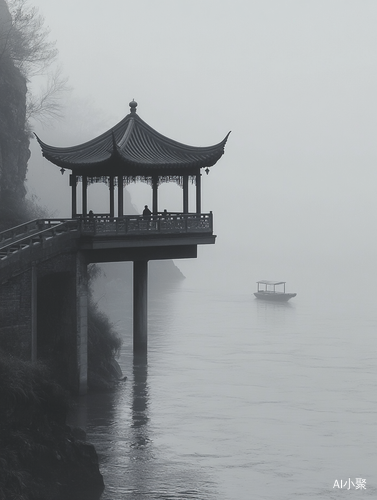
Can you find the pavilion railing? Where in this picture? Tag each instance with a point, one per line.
(26, 236)
(162, 223)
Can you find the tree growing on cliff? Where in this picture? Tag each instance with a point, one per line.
(26, 55)
(25, 39)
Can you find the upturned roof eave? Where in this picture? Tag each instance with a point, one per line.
(175, 144)
(106, 136)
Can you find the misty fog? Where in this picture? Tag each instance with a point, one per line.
(240, 397)
(293, 196)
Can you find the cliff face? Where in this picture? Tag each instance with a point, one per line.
(14, 138)
(40, 456)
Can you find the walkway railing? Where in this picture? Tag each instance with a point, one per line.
(33, 241)
(18, 232)
(32, 233)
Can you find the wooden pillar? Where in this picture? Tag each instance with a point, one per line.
(198, 193)
(154, 189)
(111, 187)
(34, 302)
(73, 182)
(82, 323)
(185, 194)
(84, 196)
(120, 195)
(140, 306)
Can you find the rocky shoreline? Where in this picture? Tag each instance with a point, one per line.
(41, 457)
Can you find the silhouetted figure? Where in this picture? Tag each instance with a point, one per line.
(91, 220)
(146, 212)
(165, 214)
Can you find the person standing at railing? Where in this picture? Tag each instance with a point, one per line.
(146, 212)
(91, 220)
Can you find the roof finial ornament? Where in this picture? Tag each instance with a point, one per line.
(133, 105)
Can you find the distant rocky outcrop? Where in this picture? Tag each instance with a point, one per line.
(14, 138)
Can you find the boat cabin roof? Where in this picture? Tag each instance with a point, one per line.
(264, 282)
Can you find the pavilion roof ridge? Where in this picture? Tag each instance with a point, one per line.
(123, 141)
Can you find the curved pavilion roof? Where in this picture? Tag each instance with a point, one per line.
(133, 148)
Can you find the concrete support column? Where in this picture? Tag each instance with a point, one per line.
(82, 323)
(185, 194)
(111, 187)
(73, 183)
(84, 196)
(34, 302)
(120, 195)
(198, 193)
(140, 304)
(154, 191)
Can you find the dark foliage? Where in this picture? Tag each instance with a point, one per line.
(103, 346)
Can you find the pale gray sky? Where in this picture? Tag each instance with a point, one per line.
(294, 80)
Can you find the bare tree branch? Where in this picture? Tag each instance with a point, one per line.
(47, 104)
(28, 39)
(24, 38)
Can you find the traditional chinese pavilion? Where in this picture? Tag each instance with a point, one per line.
(133, 151)
(129, 152)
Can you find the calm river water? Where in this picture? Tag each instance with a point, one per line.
(242, 399)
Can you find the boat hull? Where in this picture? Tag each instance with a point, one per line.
(274, 296)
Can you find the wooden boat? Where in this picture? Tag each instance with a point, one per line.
(267, 291)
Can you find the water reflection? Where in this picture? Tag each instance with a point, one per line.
(134, 446)
(141, 460)
(139, 451)
(140, 394)
(274, 313)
